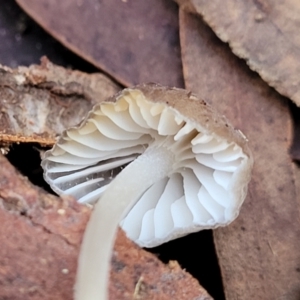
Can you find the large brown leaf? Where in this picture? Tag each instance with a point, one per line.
(259, 252)
(134, 41)
(40, 237)
(264, 32)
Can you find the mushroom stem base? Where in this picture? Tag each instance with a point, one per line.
(96, 250)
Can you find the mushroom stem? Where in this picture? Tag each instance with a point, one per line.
(98, 241)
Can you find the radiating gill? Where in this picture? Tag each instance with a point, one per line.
(197, 194)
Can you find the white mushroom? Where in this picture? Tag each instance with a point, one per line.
(163, 164)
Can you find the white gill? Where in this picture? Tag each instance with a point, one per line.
(196, 195)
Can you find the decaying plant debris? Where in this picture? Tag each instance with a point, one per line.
(38, 102)
(42, 235)
(259, 253)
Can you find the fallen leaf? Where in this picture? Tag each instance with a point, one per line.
(40, 238)
(134, 41)
(37, 103)
(259, 252)
(264, 33)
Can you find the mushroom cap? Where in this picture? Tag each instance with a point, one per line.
(209, 178)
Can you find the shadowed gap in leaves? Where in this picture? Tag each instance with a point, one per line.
(295, 146)
(196, 254)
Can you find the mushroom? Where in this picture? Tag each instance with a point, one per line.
(163, 164)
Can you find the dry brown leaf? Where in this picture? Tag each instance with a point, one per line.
(40, 237)
(134, 41)
(259, 252)
(265, 33)
(39, 102)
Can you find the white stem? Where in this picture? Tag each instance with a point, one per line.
(98, 241)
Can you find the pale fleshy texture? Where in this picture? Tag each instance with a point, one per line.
(202, 189)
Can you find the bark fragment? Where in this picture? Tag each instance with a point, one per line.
(37, 103)
(258, 253)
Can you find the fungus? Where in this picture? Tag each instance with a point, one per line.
(163, 164)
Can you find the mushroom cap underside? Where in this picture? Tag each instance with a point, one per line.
(209, 177)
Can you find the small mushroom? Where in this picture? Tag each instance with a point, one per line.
(163, 164)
